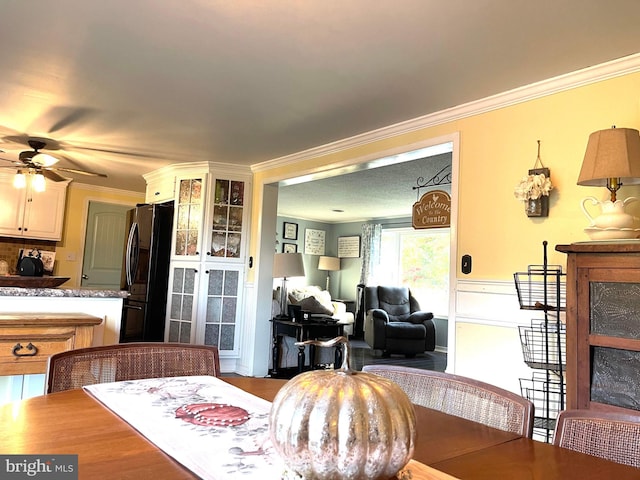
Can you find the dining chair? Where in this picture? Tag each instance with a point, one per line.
(129, 361)
(463, 397)
(610, 435)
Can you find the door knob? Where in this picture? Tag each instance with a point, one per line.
(85, 276)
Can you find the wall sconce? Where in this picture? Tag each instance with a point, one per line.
(612, 159)
(534, 189)
(330, 264)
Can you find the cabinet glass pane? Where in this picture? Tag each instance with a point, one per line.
(235, 219)
(214, 309)
(237, 193)
(615, 377)
(216, 277)
(212, 335)
(174, 331)
(231, 282)
(615, 309)
(222, 192)
(226, 338)
(226, 223)
(220, 214)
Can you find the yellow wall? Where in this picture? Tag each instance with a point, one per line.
(72, 243)
(498, 148)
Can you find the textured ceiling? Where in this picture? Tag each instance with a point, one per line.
(381, 192)
(127, 86)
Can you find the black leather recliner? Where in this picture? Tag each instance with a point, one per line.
(394, 322)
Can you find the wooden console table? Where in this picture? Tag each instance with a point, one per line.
(302, 331)
(28, 339)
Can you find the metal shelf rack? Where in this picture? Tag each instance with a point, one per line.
(543, 288)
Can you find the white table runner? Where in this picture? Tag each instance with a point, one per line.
(214, 429)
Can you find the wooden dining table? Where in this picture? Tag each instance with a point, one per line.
(73, 422)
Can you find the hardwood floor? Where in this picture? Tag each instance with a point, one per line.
(362, 355)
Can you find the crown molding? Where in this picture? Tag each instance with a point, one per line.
(615, 68)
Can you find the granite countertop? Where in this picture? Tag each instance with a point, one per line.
(61, 292)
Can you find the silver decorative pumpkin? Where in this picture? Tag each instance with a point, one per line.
(342, 424)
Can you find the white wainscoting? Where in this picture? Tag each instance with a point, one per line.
(487, 343)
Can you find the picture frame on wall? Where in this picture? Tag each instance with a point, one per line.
(290, 231)
(289, 248)
(314, 241)
(349, 247)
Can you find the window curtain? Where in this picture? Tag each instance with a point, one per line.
(371, 242)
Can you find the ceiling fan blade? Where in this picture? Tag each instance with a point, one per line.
(114, 152)
(81, 172)
(16, 163)
(17, 138)
(69, 116)
(51, 175)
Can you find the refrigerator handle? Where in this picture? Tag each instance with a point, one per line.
(132, 307)
(131, 261)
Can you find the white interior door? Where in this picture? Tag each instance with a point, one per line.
(104, 246)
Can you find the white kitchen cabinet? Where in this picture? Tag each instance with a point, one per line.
(160, 188)
(29, 214)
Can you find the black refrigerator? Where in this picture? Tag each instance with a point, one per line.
(145, 272)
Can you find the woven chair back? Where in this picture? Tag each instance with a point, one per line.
(129, 361)
(463, 397)
(612, 436)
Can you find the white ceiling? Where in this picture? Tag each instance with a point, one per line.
(245, 81)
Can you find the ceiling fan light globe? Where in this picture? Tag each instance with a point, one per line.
(44, 159)
(38, 183)
(19, 180)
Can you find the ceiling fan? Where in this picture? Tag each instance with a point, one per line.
(35, 161)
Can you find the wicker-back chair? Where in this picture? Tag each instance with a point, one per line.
(129, 361)
(463, 397)
(612, 436)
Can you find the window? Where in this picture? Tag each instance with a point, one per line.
(418, 259)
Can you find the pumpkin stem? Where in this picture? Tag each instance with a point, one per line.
(331, 343)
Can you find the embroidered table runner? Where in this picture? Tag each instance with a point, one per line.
(214, 429)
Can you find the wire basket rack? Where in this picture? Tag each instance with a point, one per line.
(548, 397)
(543, 345)
(541, 287)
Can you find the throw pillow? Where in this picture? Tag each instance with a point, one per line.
(324, 298)
(312, 305)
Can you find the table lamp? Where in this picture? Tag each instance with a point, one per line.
(612, 159)
(330, 264)
(286, 265)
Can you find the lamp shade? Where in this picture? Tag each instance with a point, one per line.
(329, 263)
(612, 153)
(287, 265)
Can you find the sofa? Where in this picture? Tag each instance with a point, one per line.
(394, 322)
(319, 304)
